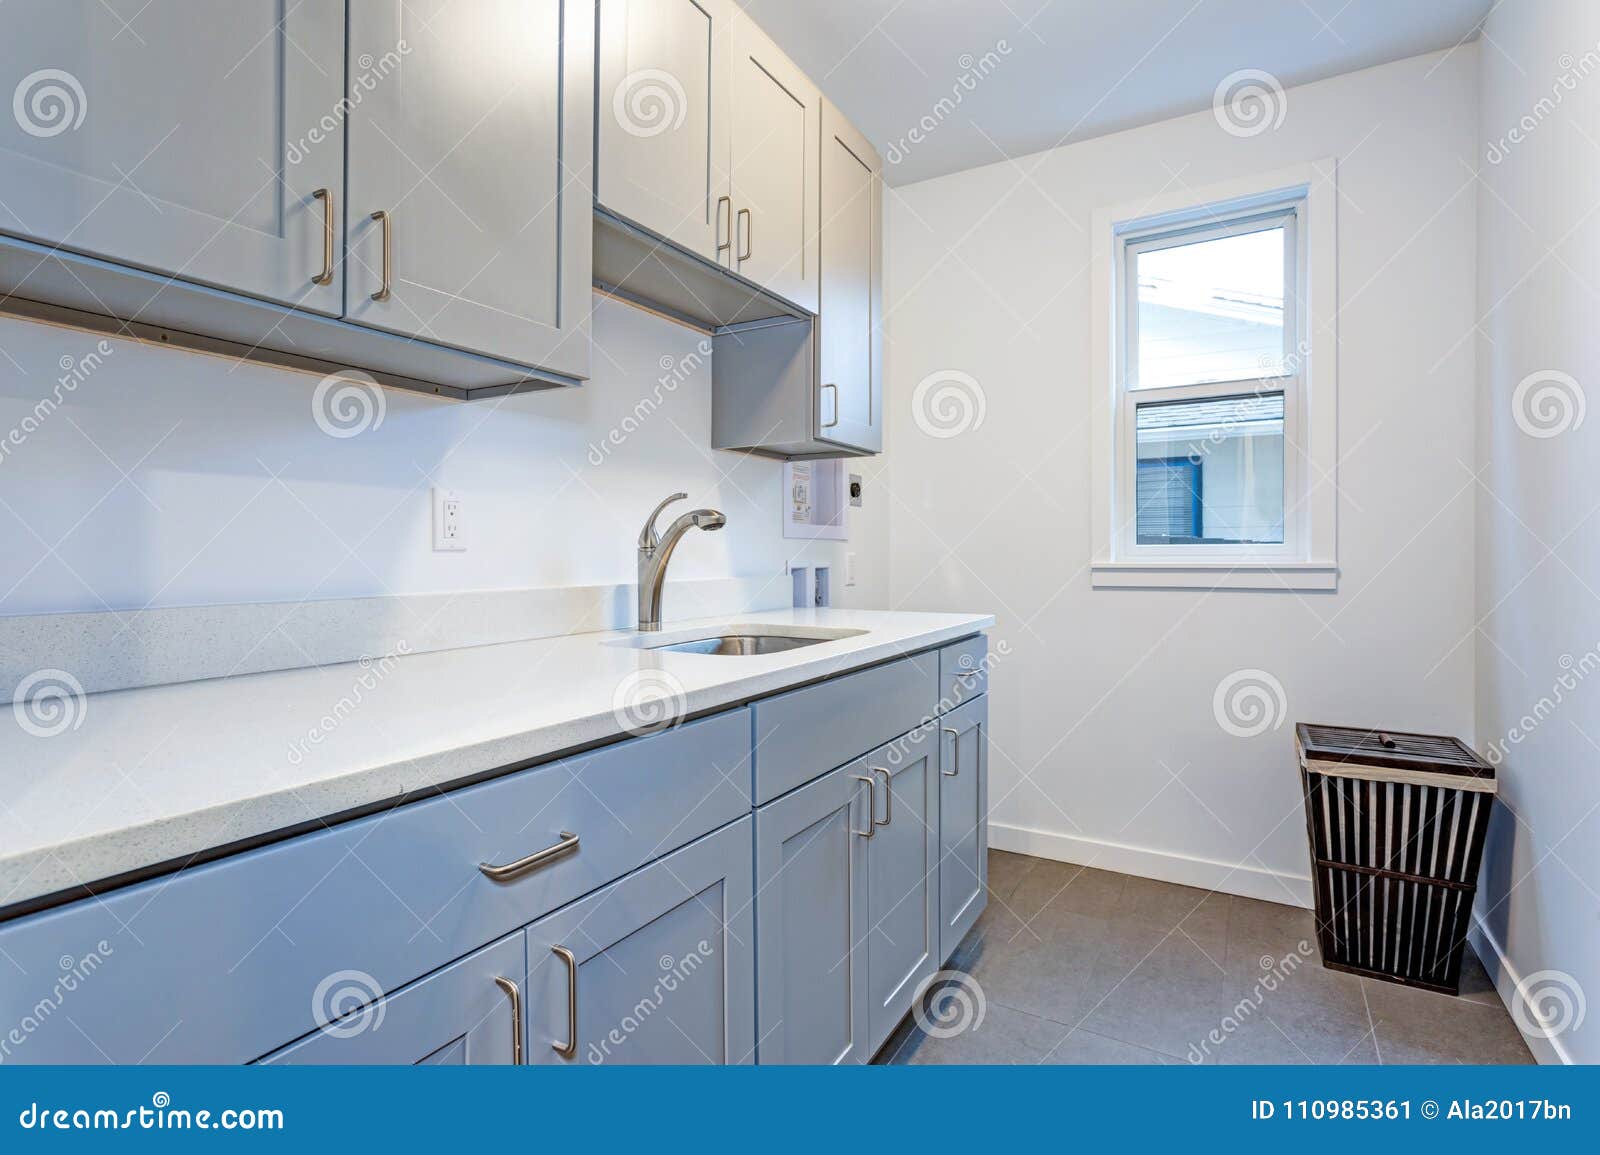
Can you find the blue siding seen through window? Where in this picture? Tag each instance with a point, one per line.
(1169, 500)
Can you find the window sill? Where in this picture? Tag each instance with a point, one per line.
(1294, 576)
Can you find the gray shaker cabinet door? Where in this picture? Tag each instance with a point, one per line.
(848, 407)
(658, 968)
(963, 821)
(902, 877)
(662, 107)
(473, 136)
(777, 137)
(811, 910)
(190, 139)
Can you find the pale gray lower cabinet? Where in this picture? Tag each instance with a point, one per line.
(963, 821)
(657, 968)
(811, 915)
(868, 876)
(847, 881)
(467, 1013)
(628, 897)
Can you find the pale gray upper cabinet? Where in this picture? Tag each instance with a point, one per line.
(206, 175)
(481, 176)
(813, 387)
(777, 118)
(181, 141)
(849, 396)
(706, 137)
(663, 121)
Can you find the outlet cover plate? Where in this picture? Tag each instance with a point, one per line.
(449, 528)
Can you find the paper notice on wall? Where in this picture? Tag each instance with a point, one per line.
(800, 493)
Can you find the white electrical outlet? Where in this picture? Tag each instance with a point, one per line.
(449, 530)
(850, 569)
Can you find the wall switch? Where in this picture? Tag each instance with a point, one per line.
(849, 569)
(449, 532)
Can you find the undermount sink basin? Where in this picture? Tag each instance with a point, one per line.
(742, 644)
(747, 641)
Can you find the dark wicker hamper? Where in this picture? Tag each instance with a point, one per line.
(1396, 824)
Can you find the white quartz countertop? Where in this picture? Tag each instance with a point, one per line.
(137, 778)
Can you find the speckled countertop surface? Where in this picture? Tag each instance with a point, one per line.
(131, 779)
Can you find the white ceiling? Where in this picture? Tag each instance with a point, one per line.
(1075, 68)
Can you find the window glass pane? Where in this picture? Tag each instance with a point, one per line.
(1212, 310)
(1210, 472)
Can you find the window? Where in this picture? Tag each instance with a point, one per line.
(1213, 468)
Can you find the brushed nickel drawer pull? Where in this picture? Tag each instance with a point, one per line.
(569, 1049)
(749, 233)
(514, 993)
(515, 870)
(835, 421)
(888, 796)
(872, 806)
(326, 276)
(382, 217)
(955, 744)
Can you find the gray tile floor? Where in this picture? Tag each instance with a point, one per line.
(1077, 965)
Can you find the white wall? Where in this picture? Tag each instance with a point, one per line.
(1538, 693)
(1106, 748)
(170, 478)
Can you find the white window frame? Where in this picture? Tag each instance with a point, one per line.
(1302, 199)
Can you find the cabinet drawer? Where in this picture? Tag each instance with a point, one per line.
(220, 964)
(808, 732)
(963, 672)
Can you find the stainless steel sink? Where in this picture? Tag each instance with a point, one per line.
(742, 644)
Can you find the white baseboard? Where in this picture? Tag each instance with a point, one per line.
(1230, 878)
(1506, 981)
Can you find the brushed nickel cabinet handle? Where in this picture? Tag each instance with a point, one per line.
(955, 745)
(888, 796)
(514, 870)
(326, 276)
(514, 993)
(569, 1049)
(749, 233)
(872, 806)
(382, 217)
(835, 421)
(724, 245)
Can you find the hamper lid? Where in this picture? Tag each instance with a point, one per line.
(1392, 756)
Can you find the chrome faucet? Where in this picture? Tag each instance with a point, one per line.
(654, 553)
